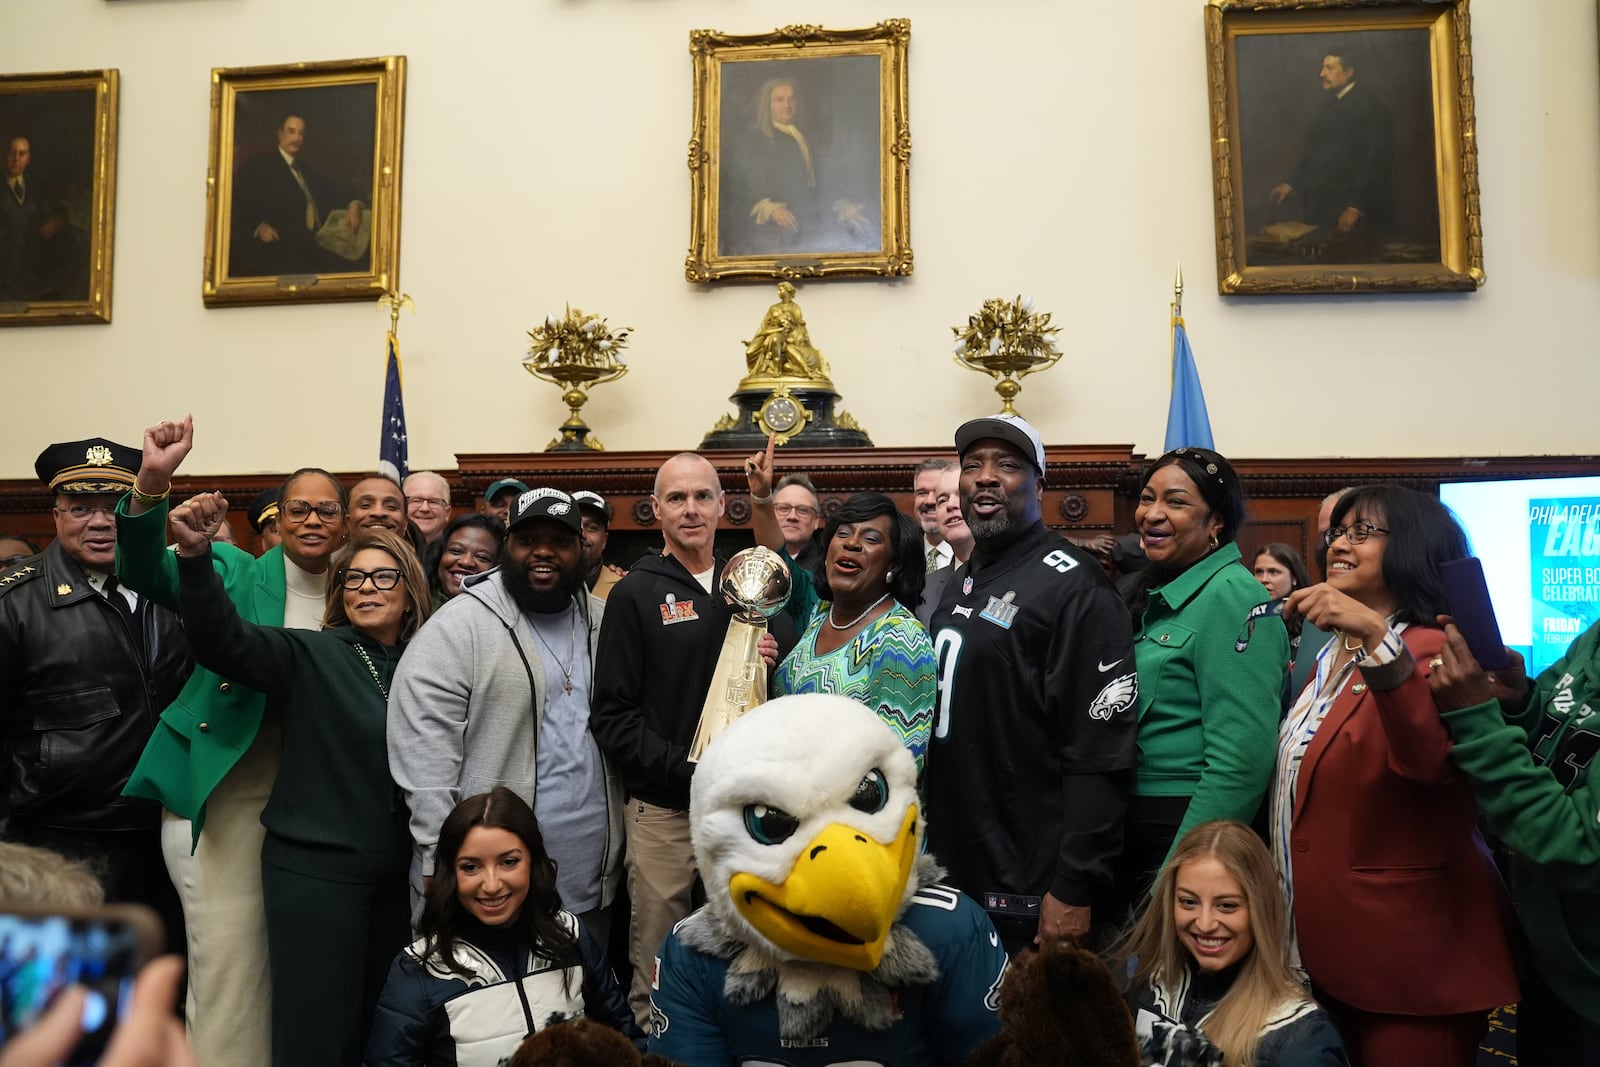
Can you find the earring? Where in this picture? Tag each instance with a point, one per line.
(1215, 544)
(888, 576)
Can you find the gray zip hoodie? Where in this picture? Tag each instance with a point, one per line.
(464, 716)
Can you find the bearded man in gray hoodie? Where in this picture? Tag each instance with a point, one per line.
(495, 690)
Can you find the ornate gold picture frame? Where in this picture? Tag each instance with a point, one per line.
(303, 189)
(1343, 148)
(801, 152)
(58, 196)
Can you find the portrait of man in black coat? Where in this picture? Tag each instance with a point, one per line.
(42, 255)
(1339, 168)
(290, 215)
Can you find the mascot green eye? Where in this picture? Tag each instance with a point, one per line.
(769, 826)
(872, 793)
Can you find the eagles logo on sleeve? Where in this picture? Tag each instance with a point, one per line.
(1118, 695)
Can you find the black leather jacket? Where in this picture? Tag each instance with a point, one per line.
(78, 698)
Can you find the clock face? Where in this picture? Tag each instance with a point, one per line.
(781, 414)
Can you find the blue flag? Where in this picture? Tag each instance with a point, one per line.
(392, 437)
(1187, 422)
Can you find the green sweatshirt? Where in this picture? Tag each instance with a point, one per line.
(333, 787)
(1542, 798)
(1208, 713)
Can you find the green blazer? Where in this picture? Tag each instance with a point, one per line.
(203, 733)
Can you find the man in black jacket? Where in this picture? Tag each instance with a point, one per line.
(1033, 749)
(85, 669)
(659, 641)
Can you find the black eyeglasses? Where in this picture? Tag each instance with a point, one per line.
(1356, 532)
(300, 510)
(382, 578)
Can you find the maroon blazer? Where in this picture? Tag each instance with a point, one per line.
(1397, 905)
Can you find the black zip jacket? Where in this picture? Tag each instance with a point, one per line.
(658, 649)
(79, 698)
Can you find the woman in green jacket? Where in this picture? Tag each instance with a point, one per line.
(213, 756)
(337, 849)
(1208, 708)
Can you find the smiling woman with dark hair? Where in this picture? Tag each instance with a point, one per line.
(499, 958)
(862, 639)
(469, 545)
(1208, 709)
(1397, 909)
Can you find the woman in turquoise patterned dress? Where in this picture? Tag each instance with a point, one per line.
(862, 639)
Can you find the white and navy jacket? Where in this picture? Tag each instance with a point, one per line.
(430, 1015)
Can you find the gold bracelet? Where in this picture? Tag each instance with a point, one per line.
(150, 499)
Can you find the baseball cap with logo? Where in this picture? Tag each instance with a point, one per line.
(545, 503)
(1012, 429)
(496, 488)
(588, 498)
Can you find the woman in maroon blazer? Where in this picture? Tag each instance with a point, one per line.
(1398, 915)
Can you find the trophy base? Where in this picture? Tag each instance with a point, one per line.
(800, 413)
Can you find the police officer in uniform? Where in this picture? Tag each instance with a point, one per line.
(85, 668)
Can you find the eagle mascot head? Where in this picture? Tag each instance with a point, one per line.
(808, 833)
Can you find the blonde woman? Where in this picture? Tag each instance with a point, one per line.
(1213, 979)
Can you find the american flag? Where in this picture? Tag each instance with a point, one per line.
(392, 435)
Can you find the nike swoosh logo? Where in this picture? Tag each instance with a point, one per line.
(1107, 666)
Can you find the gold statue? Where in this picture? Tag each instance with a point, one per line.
(782, 346)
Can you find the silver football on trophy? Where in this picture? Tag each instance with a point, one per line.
(756, 582)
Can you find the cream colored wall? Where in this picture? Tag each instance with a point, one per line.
(1058, 148)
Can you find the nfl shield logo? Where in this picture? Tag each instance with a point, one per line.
(966, 586)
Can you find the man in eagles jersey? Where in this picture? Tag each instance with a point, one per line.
(1033, 749)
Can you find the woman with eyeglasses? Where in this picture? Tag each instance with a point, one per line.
(337, 848)
(1208, 708)
(1397, 913)
(862, 639)
(214, 754)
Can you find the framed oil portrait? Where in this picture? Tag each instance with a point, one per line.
(1343, 148)
(58, 193)
(801, 152)
(303, 190)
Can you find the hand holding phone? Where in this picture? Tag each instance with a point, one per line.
(1467, 594)
(149, 1035)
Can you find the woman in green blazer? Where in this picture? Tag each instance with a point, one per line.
(212, 758)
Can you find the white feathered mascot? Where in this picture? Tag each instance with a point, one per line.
(824, 939)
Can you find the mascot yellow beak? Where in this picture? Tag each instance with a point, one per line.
(839, 901)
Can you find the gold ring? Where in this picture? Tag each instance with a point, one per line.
(1435, 663)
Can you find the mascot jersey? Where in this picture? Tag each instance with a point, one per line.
(941, 1022)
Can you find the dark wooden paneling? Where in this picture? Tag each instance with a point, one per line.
(1089, 488)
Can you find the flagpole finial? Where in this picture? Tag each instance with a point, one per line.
(1177, 292)
(394, 300)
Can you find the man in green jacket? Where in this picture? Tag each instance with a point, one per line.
(1532, 767)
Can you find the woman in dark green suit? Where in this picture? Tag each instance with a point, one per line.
(212, 758)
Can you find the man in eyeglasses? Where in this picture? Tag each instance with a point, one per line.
(85, 667)
(799, 513)
(428, 503)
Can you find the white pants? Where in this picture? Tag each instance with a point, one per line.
(230, 995)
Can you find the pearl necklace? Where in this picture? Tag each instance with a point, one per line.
(853, 623)
(376, 680)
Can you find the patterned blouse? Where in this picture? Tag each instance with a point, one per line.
(888, 666)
